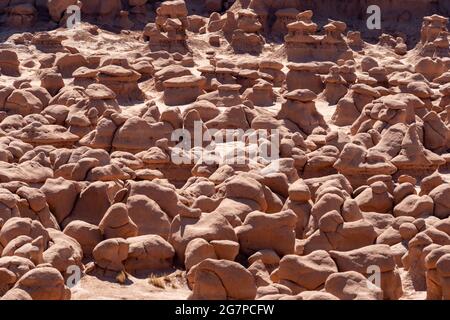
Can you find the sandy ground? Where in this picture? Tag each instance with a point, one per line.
(94, 288)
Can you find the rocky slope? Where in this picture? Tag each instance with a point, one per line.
(259, 152)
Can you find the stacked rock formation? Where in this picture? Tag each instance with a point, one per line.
(246, 38)
(434, 37)
(303, 44)
(169, 30)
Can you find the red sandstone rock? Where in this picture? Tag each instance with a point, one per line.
(358, 131)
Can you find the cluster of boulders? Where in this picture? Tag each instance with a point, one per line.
(90, 177)
(121, 14)
(243, 31)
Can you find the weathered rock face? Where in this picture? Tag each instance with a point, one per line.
(262, 231)
(122, 81)
(436, 273)
(19, 15)
(147, 254)
(360, 260)
(305, 76)
(208, 226)
(9, 63)
(304, 273)
(310, 165)
(273, 16)
(350, 106)
(221, 279)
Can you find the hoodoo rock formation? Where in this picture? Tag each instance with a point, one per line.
(168, 32)
(248, 149)
(302, 43)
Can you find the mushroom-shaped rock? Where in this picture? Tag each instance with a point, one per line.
(300, 108)
(413, 155)
(357, 164)
(183, 90)
(208, 226)
(9, 63)
(122, 81)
